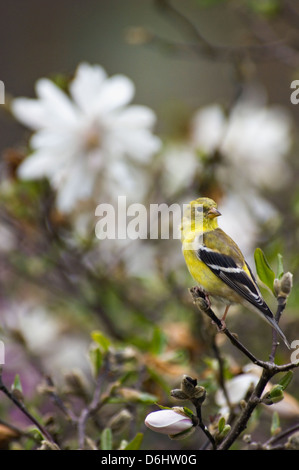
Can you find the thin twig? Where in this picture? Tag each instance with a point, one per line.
(187, 27)
(269, 47)
(24, 410)
(221, 372)
(281, 304)
(281, 435)
(199, 300)
(204, 428)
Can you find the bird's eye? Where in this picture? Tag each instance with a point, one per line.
(199, 208)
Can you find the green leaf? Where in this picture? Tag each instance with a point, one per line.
(36, 433)
(221, 424)
(147, 398)
(127, 395)
(158, 341)
(106, 439)
(135, 442)
(263, 269)
(286, 379)
(280, 270)
(209, 3)
(164, 407)
(275, 425)
(188, 412)
(17, 384)
(96, 359)
(265, 7)
(276, 393)
(99, 338)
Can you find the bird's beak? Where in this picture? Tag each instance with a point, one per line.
(213, 212)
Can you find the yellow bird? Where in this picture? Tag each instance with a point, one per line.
(217, 263)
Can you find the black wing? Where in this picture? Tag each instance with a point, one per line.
(225, 267)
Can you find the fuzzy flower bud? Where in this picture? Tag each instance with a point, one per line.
(170, 422)
(192, 391)
(120, 421)
(286, 283)
(283, 286)
(293, 441)
(277, 286)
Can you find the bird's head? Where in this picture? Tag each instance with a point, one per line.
(205, 206)
(200, 215)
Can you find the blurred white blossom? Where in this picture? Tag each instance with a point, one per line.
(44, 335)
(242, 214)
(179, 166)
(207, 128)
(254, 140)
(238, 387)
(83, 141)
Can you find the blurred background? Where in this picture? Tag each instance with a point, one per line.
(217, 75)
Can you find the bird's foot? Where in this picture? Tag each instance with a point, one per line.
(207, 299)
(221, 325)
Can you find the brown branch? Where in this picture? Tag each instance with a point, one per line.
(287, 432)
(281, 304)
(221, 372)
(199, 299)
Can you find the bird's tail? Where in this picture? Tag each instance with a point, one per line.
(276, 327)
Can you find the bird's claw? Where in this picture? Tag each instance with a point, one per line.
(221, 325)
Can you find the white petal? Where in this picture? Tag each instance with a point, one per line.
(29, 112)
(56, 102)
(87, 84)
(139, 144)
(236, 388)
(77, 185)
(36, 166)
(208, 126)
(116, 92)
(54, 139)
(124, 179)
(135, 116)
(180, 164)
(167, 422)
(46, 138)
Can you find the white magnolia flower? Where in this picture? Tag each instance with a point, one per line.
(45, 335)
(207, 128)
(238, 387)
(84, 140)
(251, 210)
(254, 140)
(180, 165)
(169, 422)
